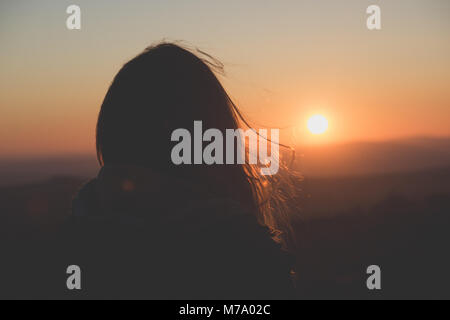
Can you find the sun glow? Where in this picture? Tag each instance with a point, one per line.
(317, 124)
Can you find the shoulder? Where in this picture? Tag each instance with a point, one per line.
(249, 257)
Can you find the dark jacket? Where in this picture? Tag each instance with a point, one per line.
(137, 234)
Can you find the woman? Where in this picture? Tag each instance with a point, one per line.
(148, 228)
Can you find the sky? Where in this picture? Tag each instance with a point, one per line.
(284, 60)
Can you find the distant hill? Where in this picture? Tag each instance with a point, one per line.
(364, 158)
(28, 170)
(351, 159)
(327, 196)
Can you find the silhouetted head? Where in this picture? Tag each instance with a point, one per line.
(164, 88)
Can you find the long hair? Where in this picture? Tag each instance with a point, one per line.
(168, 87)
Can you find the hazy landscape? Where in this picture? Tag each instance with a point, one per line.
(366, 203)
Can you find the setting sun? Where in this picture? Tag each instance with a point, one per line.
(317, 124)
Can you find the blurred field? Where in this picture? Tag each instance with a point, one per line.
(397, 220)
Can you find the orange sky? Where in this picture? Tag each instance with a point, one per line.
(285, 61)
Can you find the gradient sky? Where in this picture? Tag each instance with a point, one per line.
(285, 61)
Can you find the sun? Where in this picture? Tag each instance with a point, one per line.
(317, 124)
